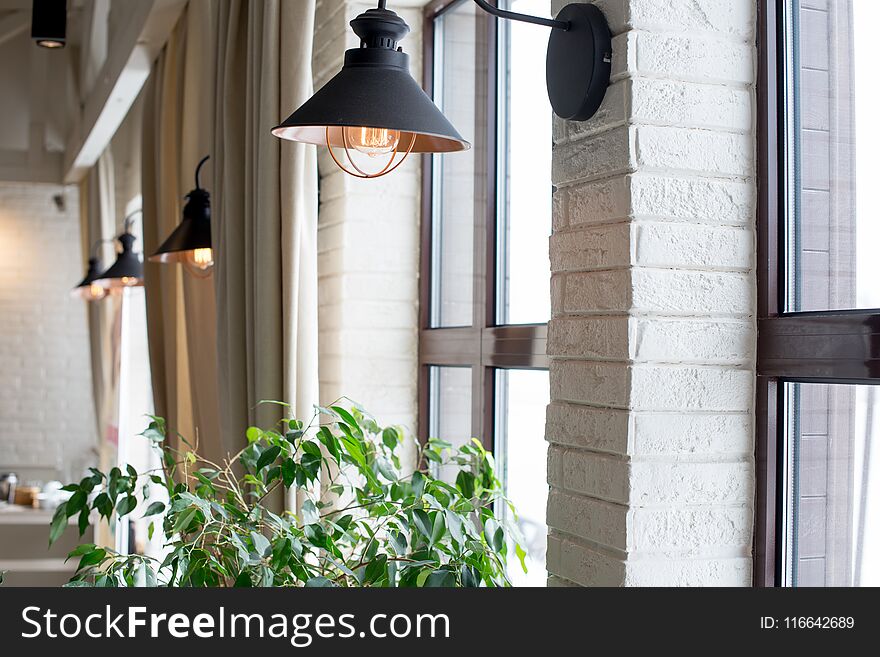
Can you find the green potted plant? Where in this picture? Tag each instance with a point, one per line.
(384, 529)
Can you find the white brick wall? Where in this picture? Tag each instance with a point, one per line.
(652, 340)
(368, 254)
(47, 426)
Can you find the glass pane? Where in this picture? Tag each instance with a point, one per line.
(450, 409)
(832, 479)
(455, 90)
(832, 141)
(521, 452)
(525, 189)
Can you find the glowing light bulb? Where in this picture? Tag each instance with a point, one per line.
(95, 292)
(201, 259)
(372, 141)
(129, 281)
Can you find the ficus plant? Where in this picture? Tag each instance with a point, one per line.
(384, 527)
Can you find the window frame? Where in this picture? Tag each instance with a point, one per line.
(826, 347)
(484, 346)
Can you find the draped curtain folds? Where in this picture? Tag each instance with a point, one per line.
(265, 227)
(230, 72)
(180, 308)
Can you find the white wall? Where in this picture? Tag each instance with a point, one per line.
(368, 254)
(653, 293)
(47, 426)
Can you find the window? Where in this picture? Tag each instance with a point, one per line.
(485, 290)
(819, 300)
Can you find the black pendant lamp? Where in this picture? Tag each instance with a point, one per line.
(90, 289)
(373, 105)
(128, 270)
(190, 243)
(49, 23)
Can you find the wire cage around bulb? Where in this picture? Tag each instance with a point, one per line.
(370, 147)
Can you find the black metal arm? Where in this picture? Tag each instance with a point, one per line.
(199, 169)
(525, 18)
(129, 221)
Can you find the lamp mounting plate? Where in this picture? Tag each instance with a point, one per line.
(579, 62)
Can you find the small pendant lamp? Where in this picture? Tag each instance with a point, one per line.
(190, 243)
(90, 289)
(373, 105)
(128, 270)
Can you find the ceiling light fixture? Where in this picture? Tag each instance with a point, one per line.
(190, 243)
(49, 23)
(90, 289)
(128, 270)
(375, 107)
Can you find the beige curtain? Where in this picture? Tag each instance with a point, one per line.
(177, 133)
(265, 224)
(98, 221)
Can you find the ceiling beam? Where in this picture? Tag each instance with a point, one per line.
(13, 25)
(131, 53)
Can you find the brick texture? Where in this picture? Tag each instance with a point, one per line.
(368, 254)
(47, 426)
(652, 337)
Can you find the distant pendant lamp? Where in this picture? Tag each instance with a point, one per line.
(49, 23)
(190, 243)
(373, 105)
(128, 270)
(90, 289)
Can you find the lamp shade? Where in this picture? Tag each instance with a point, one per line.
(374, 89)
(90, 289)
(193, 233)
(128, 270)
(49, 23)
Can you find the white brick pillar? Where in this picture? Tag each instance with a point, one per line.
(368, 252)
(652, 336)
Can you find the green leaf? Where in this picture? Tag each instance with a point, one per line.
(154, 509)
(498, 540)
(83, 523)
(103, 504)
(398, 542)
(521, 554)
(80, 550)
(376, 570)
(253, 434)
(184, 519)
(126, 505)
(439, 528)
(418, 484)
(454, 523)
(268, 457)
(288, 472)
(318, 582)
(76, 502)
(261, 544)
(59, 522)
(423, 523)
(441, 578)
(349, 420)
(151, 528)
(243, 580)
(465, 483)
(391, 437)
(310, 512)
(330, 442)
(91, 558)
